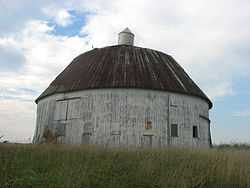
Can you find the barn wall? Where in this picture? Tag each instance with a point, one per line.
(123, 117)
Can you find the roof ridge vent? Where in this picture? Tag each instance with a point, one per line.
(126, 37)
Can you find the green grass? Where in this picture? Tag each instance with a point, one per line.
(90, 166)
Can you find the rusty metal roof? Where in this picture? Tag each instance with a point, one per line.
(124, 66)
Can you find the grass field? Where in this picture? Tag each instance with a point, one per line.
(90, 166)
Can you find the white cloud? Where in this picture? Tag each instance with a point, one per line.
(61, 17)
(219, 89)
(17, 120)
(245, 113)
(11, 56)
(201, 35)
(45, 56)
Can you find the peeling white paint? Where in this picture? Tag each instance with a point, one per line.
(116, 117)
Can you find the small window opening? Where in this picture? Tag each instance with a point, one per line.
(195, 132)
(148, 125)
(174, 130)
(147, 141)
(86, 138)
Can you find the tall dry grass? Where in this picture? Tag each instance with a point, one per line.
(91, 166)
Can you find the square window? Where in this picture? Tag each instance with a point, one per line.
(115, 128)
(148, 125)
(73, 109)
(67, 109)
(61, 110)
(88, 127)
(195, 132)
(60, 129)
(174, 130)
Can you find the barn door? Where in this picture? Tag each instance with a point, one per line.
(147, 140)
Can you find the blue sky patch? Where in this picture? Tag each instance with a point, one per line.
(79, 20)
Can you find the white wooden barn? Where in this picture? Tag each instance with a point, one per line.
(123, 96)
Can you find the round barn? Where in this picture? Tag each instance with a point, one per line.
(123, 96)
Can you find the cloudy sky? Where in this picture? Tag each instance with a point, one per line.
(209, 38)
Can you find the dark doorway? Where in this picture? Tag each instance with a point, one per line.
(86, 138)
(195, 132)
(147, 140)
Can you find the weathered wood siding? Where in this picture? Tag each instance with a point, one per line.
(117, 117)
